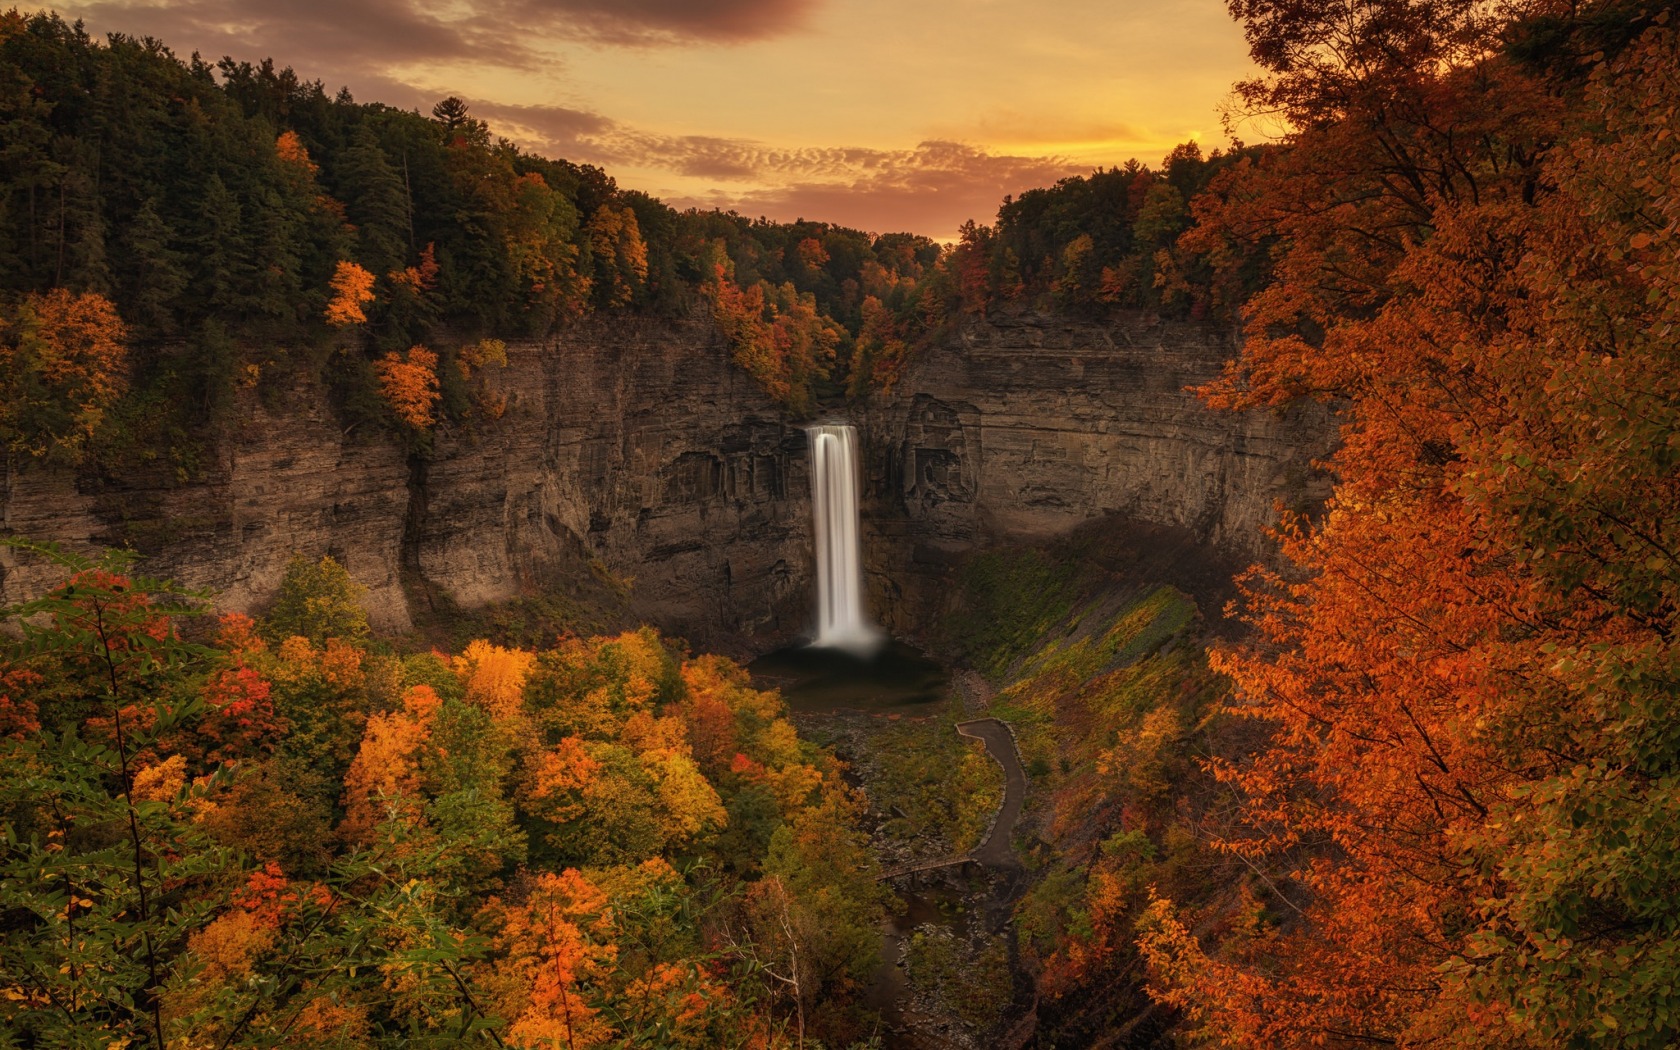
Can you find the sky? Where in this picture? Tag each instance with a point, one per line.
(884, 115)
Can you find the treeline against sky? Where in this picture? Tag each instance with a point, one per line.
(190, 212)
(289, 835)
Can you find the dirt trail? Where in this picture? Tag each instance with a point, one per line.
(995, 851)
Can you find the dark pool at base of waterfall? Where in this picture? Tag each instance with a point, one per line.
(896, 677)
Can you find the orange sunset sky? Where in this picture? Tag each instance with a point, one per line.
(879, 114)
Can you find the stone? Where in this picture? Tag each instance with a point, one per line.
(633, 451)
(1022, 427)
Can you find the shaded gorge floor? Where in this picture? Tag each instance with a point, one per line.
(947, 976)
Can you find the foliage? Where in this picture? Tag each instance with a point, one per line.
(1467, 663)
(352, 287)
(220, 208)
(777, 335)
(940, 789)
(317, 601)
(1008, 601)
(63, 365)
(282, 837)
(1112, 702)
(409, 384)
(101, 855)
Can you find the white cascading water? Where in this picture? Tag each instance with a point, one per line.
(842, 620)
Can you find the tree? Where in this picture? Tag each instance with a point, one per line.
(103, 867)
(815, 915)
(63, 365)
(451, 113)
(553, 951)
(1471, 774)
(377, 203)
(351, 287)
(409, 384)
(159, 275)
(495, 678)
(620, 256)
(318, 601)
(384, 781)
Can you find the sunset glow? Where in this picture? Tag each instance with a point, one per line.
(861, 112)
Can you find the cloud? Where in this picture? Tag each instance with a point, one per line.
(337, 36)
(555, 131)
(376, 46)
(643, 22)
(932, 189)
(341, 36)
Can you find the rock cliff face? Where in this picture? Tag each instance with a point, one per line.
(1023, 427)
(631, 450)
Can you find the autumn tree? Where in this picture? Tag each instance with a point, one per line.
(409, 384)
(776, 334)
(352, 287)
(384, 781)
(1467, 787)
(104, 865)
(63, 365)
(619, 254)
(554, 947)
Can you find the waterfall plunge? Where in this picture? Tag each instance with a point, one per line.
(842, 620)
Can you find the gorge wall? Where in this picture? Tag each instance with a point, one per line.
(632, 452)
(1022, 427)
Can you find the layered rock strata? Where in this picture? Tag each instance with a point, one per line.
(1023, 427)
(634, 455)
(631, 451)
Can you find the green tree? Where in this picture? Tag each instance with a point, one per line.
(158, 275)
(377, 203)
(318, 601)
(103, 870)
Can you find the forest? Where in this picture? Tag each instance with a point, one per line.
(284, 833)
(1427, 796)
(163, 217)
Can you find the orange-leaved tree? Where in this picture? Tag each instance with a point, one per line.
(776, 333)
(409, 384)
(352, 287)
(63, 365)
(1465, 817)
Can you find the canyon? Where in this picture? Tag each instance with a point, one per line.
(634, 456)
(1022, 427)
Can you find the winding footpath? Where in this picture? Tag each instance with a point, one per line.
(995, 851)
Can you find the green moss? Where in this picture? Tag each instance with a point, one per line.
(1008, 601)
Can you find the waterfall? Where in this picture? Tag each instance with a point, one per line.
(842, 620)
